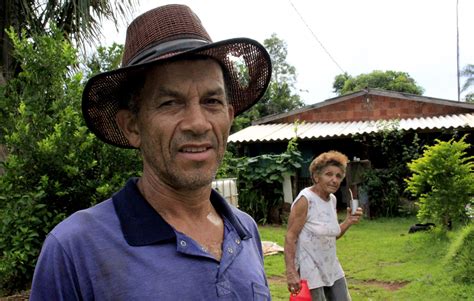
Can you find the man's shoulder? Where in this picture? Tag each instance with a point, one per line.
(85, 221)
(245, 219)
(241, 214)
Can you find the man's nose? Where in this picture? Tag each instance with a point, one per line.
(195, 119)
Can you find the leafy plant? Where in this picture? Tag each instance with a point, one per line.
(260, 181)
(55, 166)
(26, 221)
(443, 181)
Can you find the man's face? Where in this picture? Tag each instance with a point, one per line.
(183, 122)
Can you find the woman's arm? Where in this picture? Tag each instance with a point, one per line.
(296, 222)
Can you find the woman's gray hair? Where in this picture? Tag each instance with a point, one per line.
(331, 158)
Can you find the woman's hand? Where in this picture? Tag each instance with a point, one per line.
(293, 280)
(350, 220)
(353, 218)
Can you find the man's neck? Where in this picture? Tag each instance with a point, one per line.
(190, 213)
(169, 201)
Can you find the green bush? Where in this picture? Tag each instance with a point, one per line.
(55, 166)
(443, 181)
(459, 260)
(25, 221)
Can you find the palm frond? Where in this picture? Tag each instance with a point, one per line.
(468, 71)
(80, 20)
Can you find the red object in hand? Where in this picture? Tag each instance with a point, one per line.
(304, 294)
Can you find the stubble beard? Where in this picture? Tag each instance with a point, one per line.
(180, 179)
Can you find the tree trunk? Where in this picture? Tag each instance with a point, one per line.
(3, 81)
(9, 17)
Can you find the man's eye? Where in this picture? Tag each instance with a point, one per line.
(214, 101)
(166, 103)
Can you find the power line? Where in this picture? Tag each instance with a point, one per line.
(457, 50)
(316, 38)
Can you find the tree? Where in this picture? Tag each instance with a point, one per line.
(443, 181)
(388, 80)
(339, 82)
(280, 96)
(469, 97)
(79, 21)
(105, 59)
(468, 72)
(55, 165)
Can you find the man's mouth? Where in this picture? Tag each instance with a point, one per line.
(194, 149)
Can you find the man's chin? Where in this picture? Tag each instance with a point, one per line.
(193, 182)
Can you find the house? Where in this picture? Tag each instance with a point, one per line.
(343, 122)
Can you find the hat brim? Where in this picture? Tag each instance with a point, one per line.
(104, 92)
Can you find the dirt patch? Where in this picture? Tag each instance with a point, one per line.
(387, 285)
(17, 297)
(275, 279)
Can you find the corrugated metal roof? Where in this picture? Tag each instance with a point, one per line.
(315, 130)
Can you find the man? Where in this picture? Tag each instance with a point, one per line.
(166, 235)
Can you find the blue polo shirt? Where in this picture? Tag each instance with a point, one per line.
(121, 249)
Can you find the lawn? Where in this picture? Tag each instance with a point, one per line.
(382, 262)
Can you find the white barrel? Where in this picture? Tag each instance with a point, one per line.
(228, 189)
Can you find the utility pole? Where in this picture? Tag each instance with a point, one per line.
(457, 49)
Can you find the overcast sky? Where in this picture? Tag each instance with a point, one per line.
(414, 36)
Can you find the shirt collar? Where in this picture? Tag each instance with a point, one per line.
(142, 225)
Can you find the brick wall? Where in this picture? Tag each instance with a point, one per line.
(374, 107)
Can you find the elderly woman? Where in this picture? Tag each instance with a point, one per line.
(310, 242)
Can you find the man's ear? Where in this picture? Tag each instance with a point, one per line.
(127, 122)
(231, 113)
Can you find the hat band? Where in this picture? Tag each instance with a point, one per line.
(154, 52)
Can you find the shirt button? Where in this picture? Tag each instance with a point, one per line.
(182, 243)
(230, 250)
(237, 241)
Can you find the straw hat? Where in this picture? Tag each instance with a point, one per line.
(164, 33)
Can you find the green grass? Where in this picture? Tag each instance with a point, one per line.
(383, 262)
